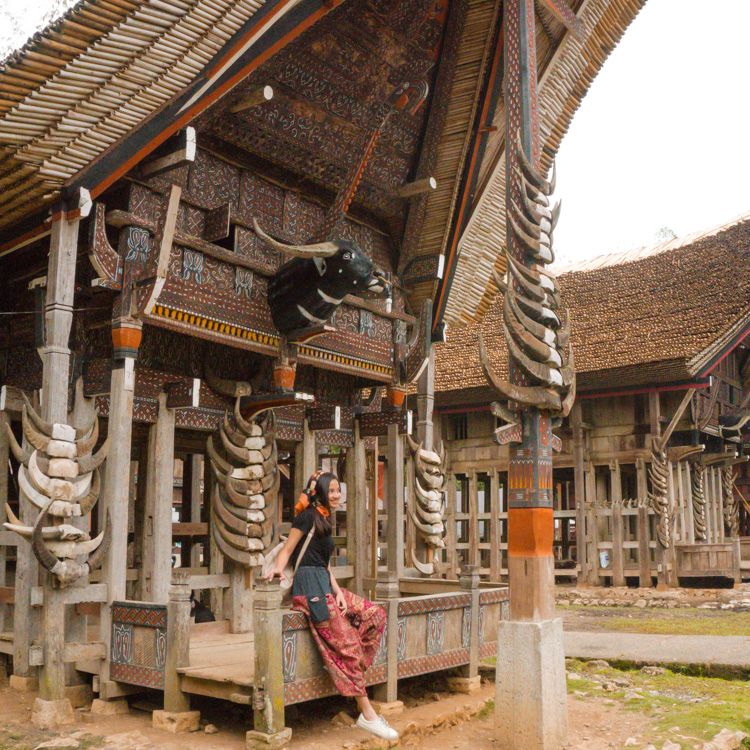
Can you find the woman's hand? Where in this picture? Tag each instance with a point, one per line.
(341, 601)
(277, 572)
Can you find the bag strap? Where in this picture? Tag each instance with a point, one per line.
(304, 548)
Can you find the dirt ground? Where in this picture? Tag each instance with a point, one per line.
(452, 722)
(607, 707)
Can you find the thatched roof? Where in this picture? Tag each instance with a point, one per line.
(662, 316)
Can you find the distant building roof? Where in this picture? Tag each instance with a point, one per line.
(650, 316)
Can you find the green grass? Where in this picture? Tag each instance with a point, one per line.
(663, 621)
(699, 706)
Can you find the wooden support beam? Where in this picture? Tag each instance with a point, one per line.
(325, 417)
(252, 98)
(164, 238)
(157, 542)
(93, 592)
(182, 150)
(210, 581)
(183, 394)
(356, 510)
(395, 502)
(189, 528)
(418, 187)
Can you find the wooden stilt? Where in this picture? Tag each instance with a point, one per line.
(579, 482)
(177, 716)
(4, 457)
(395, 503)
(58, 318)
(356, 511)
(194, 461)
(644, 547)
(157, 544)
(618, 574)
(115, 498)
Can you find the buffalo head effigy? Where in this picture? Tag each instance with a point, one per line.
(306, 290)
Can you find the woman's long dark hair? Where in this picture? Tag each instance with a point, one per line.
(323, 524)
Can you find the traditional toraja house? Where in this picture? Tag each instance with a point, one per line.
(651, 483)
(224, 226)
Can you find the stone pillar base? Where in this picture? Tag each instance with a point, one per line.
(531, 697)
(101, 707)
(177, 721)
(388, 708)
(22, 684)
(52, 714)
(255, 740)
(464, 684)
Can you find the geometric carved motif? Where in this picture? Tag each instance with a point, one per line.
(193, 264)
(481, 625)
(289, 655)
(422, 605)
(433, 663)
(435, 632)
(138, 650)
(466, 628)
(401, 647)
(382, 653)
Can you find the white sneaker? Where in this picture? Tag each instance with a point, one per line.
(379, 727)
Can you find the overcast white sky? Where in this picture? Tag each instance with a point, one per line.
(661, 139)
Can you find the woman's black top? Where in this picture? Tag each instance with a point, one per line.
(319, 551)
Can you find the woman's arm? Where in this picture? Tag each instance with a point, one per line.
(294, 538)
(334, 583)
(338, 594)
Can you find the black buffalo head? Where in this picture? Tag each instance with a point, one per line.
(306, 290)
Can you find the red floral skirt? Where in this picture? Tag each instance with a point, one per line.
(347, 651)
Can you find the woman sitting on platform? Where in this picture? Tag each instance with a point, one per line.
(347, 628)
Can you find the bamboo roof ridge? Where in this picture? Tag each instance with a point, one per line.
(563, 85)
(662, 316)
(79, 86)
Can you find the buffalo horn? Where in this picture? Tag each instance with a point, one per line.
(21, 455)
(530, 171)
(318, 250)
(46, 559)
(86, 444)
(511, 310)
(216, 459)
(426, 569)
(38, 439)
(88, 502)
(543, 373)
(90, 462)
(224, 386)
(540, 397)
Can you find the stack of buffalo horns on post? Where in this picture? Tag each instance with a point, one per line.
(59, 474)
(428, 514)
(244, 460)
(537, 337)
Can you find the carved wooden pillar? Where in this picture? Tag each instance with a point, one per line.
(356, 510)
(394, 500)
(268, 694)
(4, 457)
(618, 573)
(126, 338)
(58, 319)
(644, 536)
(579, 481)
(177, 716)
(156, 569)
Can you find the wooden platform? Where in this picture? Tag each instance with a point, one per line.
(221, 663)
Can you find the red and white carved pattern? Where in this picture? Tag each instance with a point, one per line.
(422, 605)
(434, 663)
